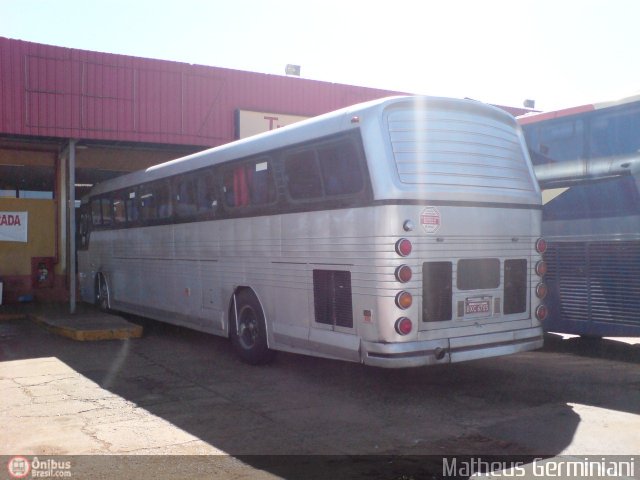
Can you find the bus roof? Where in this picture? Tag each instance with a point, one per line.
(312, 128)
(567, 112)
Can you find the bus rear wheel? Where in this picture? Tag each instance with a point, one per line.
(248, 330)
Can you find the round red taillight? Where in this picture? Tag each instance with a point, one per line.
(404, 300)
(541, 312)
(403, 273)
(403, 247)
(541, 245)
(404, 326)
(541, 290)
(541, 268)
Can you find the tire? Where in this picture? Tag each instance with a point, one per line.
(248, 332)
(102, 293)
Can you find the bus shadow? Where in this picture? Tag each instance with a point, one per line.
(317, 418)
(620, 350)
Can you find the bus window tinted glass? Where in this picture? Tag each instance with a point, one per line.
(84, 227)
(556, 141)
(155, 201)
(612, 197)
(119, 208)
(184, 191)
(249, 184)
(132, 205)
(106, 211)
(163, 198)
(194, 193)
(303, 178)
(615, 133)
(340, 167)
(261, 186)
(96, 212)
(148, 204)
(206, 193)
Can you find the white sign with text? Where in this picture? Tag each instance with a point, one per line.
(13, 226)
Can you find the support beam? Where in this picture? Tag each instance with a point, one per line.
(62, 195)
(72, 226)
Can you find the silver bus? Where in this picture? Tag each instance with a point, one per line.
(401, 232)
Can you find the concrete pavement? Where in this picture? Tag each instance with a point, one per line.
(180, 392)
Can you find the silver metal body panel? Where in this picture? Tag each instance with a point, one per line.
(456, 349)
(186, 273)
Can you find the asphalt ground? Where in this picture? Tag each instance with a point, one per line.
(184, 401)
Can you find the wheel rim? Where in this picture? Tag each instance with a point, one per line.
(103, 295)
(248, 327)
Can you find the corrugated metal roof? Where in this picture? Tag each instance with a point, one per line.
(61, 92)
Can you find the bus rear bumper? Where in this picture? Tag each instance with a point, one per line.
(458, 349)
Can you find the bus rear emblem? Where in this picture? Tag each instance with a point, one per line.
(430, 219)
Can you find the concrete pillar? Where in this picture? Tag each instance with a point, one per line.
(67, 197)
(72, 226)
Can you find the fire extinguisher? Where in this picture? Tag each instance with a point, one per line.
(43, 273)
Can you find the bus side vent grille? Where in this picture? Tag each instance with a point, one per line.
(515, 286)
(436, 291)
(595, 281)
(332, 298)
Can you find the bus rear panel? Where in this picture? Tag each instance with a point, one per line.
(460, 190)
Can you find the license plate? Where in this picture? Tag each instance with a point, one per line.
(477, 306)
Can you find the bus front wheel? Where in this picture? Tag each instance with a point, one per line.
(102, 293)
(248, 330)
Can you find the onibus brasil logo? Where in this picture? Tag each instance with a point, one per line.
(20, 467)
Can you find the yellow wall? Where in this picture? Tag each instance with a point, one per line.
(15, 257)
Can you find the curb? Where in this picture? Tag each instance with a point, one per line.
(90, 334)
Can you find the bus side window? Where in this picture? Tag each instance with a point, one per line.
(84, 227)
(107, 218)
(96, 211)
(249, 184)
(340, 167)
(185, 195)
(155, 201)
(119, 209)
(302, 176)
(148, 207)
(132, 206)
(163, 197)
(241, 177)
(262, 186)
(228, 190)
(615, 133)
(561, 141)
(206, 193)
